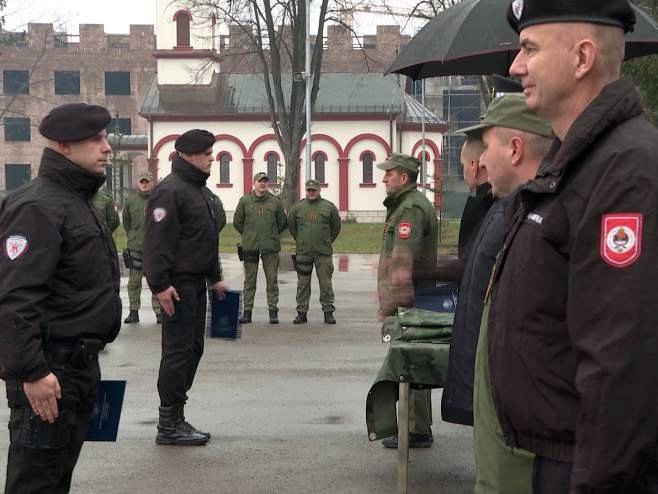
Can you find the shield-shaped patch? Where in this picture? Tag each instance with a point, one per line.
(621, 238)
(16, 246)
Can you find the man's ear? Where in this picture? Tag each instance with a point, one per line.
(586, 52)
(64, 148)
(517, 148)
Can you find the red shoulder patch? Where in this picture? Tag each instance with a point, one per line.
(621, 238)
(404, 229)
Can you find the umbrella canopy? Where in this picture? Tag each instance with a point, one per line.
(473, 37)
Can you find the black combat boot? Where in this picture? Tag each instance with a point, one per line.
(246, 317)
(158, 318)
(172, 430)
(274, 316)
(415, 441)
(133, 317)
(301, 318)
(329, 318)
(185, 424)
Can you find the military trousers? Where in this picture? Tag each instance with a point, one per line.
(324, 269)
(271, 270)
(182, 341)
(135, 292)
(499, 468)
(420, 411)
(42, 456)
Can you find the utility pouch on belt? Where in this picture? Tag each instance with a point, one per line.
(126, 258)
(240, 252)
(27, 429)
(136, 262)
(251, 256)
(303, 264)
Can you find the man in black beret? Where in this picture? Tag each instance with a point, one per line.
(572, 326)
(59, 300)
(180, 257)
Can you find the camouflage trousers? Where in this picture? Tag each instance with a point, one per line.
(135, 292)
(271, 269)
(324, 268)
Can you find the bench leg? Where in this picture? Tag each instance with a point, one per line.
(403, 437)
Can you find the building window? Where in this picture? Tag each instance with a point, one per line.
(16, 81)
(319, 168)
(67, 82)
(272, 171)
(120, 126)
(224, 169)
(17, 129)
(182, 28)
(117, 83)
(17, 175)
(367, 159)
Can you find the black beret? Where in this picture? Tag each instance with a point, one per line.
(194, 141)
(74, 122)
(524, 13)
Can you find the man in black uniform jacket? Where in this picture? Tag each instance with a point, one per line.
(180, 254)
(59, 300)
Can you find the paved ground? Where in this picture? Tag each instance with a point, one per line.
(285, 405)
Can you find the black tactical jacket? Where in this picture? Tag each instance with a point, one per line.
(59, 273)
(573, 324)
(181, 239)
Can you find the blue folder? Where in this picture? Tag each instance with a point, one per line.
(104, 421)
(223, 315)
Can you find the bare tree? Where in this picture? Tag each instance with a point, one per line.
(276, 29)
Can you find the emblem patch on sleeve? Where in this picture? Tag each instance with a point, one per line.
(159, 214)
(621, 238)
(16, 246)
(404, 230)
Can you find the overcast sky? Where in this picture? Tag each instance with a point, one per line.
(117, 15)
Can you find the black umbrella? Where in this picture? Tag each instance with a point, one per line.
(473, 37)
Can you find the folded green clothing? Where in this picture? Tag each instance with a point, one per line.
(418, 325)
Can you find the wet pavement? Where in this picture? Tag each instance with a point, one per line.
(285, 405)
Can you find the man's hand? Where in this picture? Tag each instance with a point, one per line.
(43, 395)
(220, 287)
(167, 298)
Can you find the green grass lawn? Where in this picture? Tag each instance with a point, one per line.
(354, 238)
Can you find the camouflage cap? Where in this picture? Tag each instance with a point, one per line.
(261, 176)
(398, 160)
(510, 111)
(145, 176)
(312, 185)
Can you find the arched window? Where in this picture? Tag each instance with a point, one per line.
(367, 159)
(319, 168)
(272, 171)
(224, 169)
(182, 19)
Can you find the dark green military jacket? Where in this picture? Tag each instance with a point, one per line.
(410, 242)
(220, 214)
(260, 221)
(314, 225)
(134, 220)
(105, 204)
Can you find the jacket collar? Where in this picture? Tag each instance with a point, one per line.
(188, 172)
(58, 168)
(395, 199)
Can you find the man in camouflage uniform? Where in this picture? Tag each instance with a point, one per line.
(105, 204)
(134, 222)
(260, 220)
(409, 246)
(314, 224)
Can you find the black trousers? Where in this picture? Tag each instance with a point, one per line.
(182, 342)
(554, 477)
(42, 456)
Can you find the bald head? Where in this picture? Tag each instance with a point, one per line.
(474, 175)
